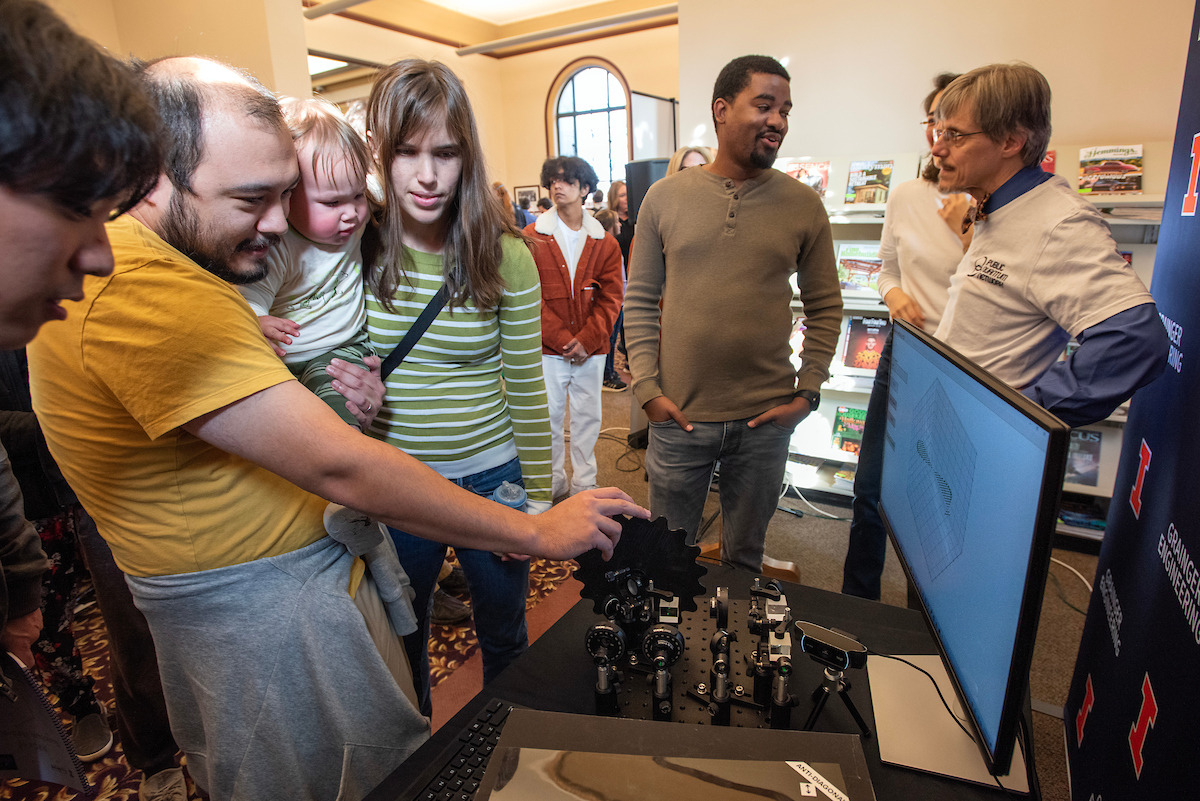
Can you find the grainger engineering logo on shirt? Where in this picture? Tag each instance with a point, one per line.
(989, 270)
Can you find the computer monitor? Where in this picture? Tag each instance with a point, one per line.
(971, 482)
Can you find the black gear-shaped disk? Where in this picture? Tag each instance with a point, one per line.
(648, 547)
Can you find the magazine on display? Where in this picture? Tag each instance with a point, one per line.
(869, 181)
(864, 341)
(1083, 458)
(1048, 162)
(848, 428)
(1111, 170)
(813, 173)
(858, 269)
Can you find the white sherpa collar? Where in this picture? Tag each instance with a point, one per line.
(548, 220)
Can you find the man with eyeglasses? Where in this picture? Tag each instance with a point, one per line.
(1042, 266)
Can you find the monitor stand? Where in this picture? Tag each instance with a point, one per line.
(915, 731)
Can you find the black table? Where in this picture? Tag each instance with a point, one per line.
(556, 674)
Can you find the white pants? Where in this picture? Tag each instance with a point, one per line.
(582, 384)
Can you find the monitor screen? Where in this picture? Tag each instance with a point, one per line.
(972, 476)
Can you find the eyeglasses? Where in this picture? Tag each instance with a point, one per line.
(925, 123)
(953, 138)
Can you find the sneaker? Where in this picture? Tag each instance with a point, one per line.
(614, 384)
(166, 785)
(91, 737)
(456, 582)
(448, 610)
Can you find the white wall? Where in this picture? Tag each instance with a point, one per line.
(860, 70)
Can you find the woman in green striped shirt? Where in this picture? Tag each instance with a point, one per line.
(469, 399)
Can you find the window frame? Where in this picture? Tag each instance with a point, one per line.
(560, 82)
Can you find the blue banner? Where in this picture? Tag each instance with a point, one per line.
(1132, 712)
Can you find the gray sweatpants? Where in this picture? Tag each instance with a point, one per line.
(274, 686)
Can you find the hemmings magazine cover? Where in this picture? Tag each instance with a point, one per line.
(858, 269)
(869, 181)
(864, 341)
(813, 173)
(1112, 170)
(848, 428)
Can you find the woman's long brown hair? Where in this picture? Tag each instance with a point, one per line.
(409, 98)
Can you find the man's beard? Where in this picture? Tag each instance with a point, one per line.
(762, 157)
(182, 229)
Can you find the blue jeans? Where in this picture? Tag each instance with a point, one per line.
(680, 467)
(863, 571)
(609, 364)
(498, 591)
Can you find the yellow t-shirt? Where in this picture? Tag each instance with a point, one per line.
(155, 345)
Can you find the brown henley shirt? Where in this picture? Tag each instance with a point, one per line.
(719, 256)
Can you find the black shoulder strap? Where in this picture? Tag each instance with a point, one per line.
(417, 330)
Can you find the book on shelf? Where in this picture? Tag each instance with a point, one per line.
(1048, 162)
(1111, 170)
(844, 480)
(858, 269)
(864, 341)
(869, 181)
(848, 423)
(811, 173)
(1127, 255)
(1083, 458)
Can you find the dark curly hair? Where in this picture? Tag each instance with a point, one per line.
(570, 168)
(75, 126)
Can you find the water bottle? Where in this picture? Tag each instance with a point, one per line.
(510, 495)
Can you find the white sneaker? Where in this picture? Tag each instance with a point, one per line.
(167, 785)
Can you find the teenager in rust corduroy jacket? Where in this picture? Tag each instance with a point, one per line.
(587, 310)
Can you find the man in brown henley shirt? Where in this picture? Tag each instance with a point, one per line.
(717, 245)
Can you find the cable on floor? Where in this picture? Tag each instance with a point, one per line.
(1086, 583)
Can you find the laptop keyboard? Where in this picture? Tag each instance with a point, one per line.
(459, 778)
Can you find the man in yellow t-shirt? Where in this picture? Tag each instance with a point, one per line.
(202, 460)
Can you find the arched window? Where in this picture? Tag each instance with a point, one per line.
(588, 116)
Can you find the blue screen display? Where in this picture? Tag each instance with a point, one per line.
(962, 479)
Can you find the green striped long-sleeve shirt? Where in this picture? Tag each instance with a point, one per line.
(470, 394)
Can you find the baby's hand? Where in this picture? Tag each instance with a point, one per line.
(278, 331)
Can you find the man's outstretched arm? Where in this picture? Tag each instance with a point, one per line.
(336, 462)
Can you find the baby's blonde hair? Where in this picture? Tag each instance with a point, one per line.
(320, 123)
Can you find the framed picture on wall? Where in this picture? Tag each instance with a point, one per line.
(524, 193)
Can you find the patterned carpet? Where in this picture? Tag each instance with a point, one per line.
(449, 647)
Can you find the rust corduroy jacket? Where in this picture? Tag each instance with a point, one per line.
(589, 312)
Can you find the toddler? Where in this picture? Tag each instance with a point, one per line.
(310, 305)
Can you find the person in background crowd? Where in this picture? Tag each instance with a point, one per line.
(469, 399)
(580, 269)
(691, 156)
(544, 204)
(610, 221)
(56, 514)
(923, 242)
(521, 217)
(718, 246)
